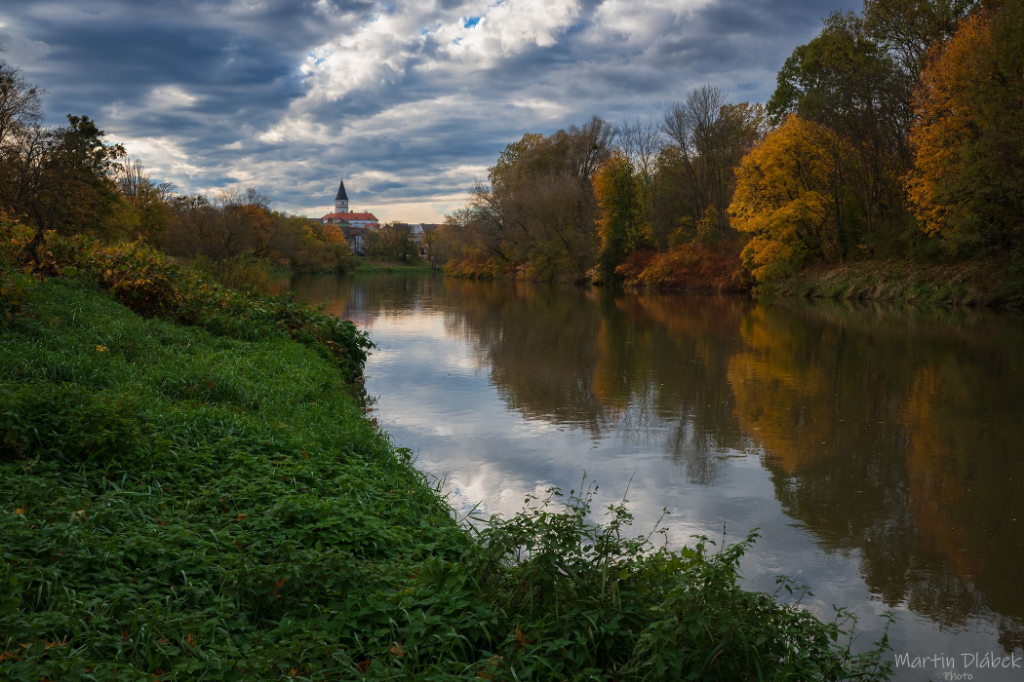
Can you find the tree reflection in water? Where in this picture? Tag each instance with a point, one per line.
(891, 434)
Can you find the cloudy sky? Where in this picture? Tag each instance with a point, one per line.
(411, 100)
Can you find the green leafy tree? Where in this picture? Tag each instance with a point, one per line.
(846, 80)
(623, 224)
(539, 208)
(909, 28)
(65, 181)
(707, 137)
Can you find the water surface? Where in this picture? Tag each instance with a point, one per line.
(878, 449)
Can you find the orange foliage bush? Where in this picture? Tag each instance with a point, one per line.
(692, 267)
(474, 266)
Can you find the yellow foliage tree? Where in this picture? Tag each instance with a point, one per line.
(943, 108)
(792, 195)
(966, 185)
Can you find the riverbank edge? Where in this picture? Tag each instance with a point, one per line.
(371, 267)
(993, 283)
(989, 283)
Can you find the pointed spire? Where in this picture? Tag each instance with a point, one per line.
(341, 196)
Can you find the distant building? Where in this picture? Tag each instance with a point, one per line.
(343, 232)
(341, 198)
(367, 220)
(355, 237)
(343, 216)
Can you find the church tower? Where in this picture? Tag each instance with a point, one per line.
(341, 199)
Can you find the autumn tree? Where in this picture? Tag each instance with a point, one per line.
(706, 138)
(393, 241)
(909, 28)
(967, 184)
(150, 212)
(623, 224)
(539, 205)
(432, 243)
(23, 139)
(845, 80)
(60, 179)
(793, 197)
(641, 141)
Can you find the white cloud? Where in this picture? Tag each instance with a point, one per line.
(21, 50)
(410, 99)
(165, 158)
(639, 22)
(166, 97)
(510, 27)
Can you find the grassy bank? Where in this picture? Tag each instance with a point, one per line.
(988, 283)
(190, 489)
(367, 266)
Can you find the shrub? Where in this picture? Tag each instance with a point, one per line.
(589, 601)
(689, 266)
(152, 284)
(249, 274)
(14, 285)
(478, 266)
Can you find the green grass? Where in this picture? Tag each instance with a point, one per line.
(229, 492)
(184, 504)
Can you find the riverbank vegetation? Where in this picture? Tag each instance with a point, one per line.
(72, 181)
(892, 143)
(190, 489)
(375, 266)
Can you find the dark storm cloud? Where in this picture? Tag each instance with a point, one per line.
(411, 100)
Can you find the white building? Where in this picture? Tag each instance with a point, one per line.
(343, 216)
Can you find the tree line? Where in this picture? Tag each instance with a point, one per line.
(896, 133)
(71, 180)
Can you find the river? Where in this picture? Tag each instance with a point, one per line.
(877, 448)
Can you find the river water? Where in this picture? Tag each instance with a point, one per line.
(878, 449)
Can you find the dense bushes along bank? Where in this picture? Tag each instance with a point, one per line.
(189, 489)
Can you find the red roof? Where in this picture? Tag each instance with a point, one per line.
(350, 216)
